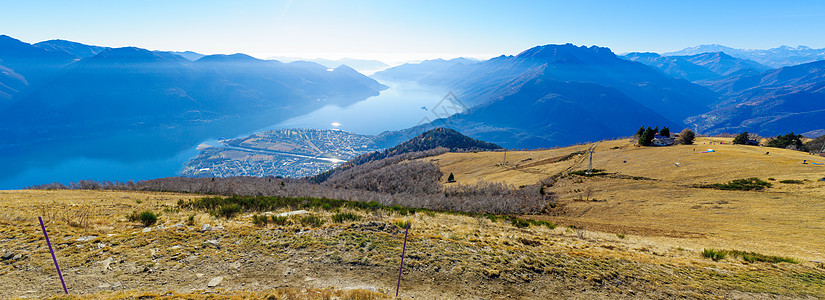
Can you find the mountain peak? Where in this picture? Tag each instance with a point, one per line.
(237, 57)
(565, 53)
(73, 48)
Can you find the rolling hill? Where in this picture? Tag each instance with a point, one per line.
(640, 227)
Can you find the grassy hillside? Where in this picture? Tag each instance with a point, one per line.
(645, 230)
(644, 192)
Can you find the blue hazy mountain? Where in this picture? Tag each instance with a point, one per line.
(725, 65)
(362, 65)
(770, 103)
(414, 72)
(561, 94)
(699, 67)
(132, 97)
(673, 66)
(483, 82)
(33, 63)
(11, 83)
(192, 56)
(775, 58)
(73, 48)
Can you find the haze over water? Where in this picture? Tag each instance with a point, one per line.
(397, 107)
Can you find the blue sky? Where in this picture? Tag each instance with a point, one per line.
(401, 30)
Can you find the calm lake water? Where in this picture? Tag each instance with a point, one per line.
(398, 107)
(401, 106)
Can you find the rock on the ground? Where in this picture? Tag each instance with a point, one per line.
(290, 213)
(206, 227)
(7, 256)
(215, 281)
(87, 238)
(105, 264)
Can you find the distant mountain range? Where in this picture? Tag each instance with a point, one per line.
(65, 92)
(783, 56)
(413, 72)
(561, 94)
(699, 67)
(367, 66)
(769, 103)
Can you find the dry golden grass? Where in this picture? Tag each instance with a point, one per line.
(787, 219)
(448, 256)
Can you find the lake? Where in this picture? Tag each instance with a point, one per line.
(401, 106)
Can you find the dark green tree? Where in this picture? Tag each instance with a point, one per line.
(451, 178)
(647, 137)
(686, 137)
(640, 131)
(789, 141)
(655, 130)
(741, 138)
(665, 132)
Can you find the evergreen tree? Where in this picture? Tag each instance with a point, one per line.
(741, 138)
(686, 137)
(789, 141)
(451, 178)
(647, 137)
(665, 132)
(640, 131)
(656, 130)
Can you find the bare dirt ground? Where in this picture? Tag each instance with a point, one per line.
(103, 255)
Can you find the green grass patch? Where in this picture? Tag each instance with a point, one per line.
(791, 181)
(714, 254)
(345, 217)
(312, 221)
(747, 256)
(147, 218)
(747, 184)
(260, 220)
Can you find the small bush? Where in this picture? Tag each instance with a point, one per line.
(147, 218)
(595, 172)
(519, 223)
(757, 257)
(312, 221)
(791, 181)
(343, 217)
(401, 224)
(260, 220)
(748, 184)
(621, 236)
(228, 211)
(713, 254)
(747, 256)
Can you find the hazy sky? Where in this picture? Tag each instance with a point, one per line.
(402, 30)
